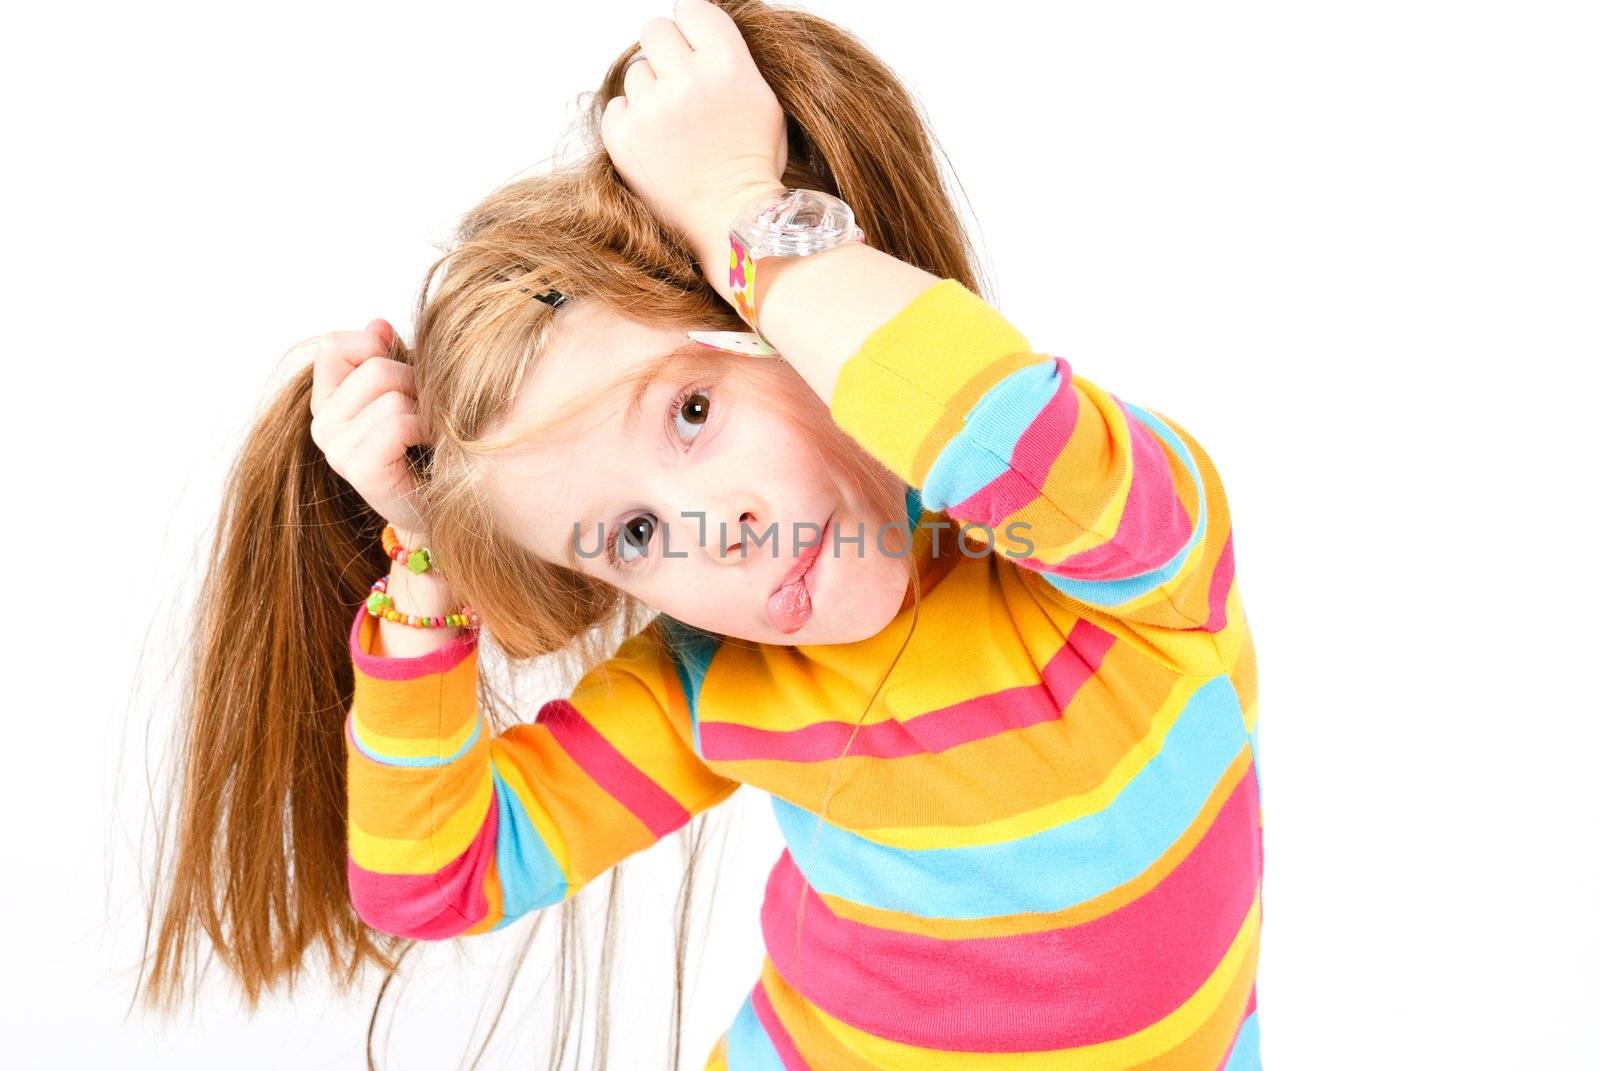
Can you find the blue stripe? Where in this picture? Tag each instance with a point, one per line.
(529, 874)
(749, 1048)
(1246, 1054)
(692, 649)
(1046, 871)
(982, 450)
(424, 760)
(1109, 594)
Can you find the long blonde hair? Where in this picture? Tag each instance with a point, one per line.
(256, 856)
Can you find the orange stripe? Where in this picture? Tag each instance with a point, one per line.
(609, 830)
(491, 893)
(391, 708)
(407, 802)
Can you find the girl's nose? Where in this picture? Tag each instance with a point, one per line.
(735, 535)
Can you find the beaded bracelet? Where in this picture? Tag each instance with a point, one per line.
(418, 561)
(381, 604)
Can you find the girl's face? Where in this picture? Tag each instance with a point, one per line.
(651, 499)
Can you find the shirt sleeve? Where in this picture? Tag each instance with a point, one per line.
(455, 831)
(1113, 506)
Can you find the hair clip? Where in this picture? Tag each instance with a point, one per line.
(747, 343)
(554, 298)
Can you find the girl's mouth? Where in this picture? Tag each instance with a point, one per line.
(789, 606)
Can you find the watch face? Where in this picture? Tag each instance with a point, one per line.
(796, 223)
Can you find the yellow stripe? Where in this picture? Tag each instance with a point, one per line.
(922, 681)
(1147, 1044)
(1232, 638)
(925, 366)
(1065, 809)
(718, 1060)
(395, 855)
(402, 747)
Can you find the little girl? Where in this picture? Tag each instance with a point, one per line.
(970, 619)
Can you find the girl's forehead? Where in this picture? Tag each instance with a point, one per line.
(586, 351)
(594, 345)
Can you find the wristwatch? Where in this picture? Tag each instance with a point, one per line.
(787, 223)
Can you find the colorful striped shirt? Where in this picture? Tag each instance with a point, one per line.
(1042, 847)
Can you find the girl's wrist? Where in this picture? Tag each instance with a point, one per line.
(709, 234)
(420, 593)
(426, 592)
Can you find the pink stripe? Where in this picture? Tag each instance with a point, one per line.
(1221, 582)
(429, 906)
(1040, 443)
(1077, 985)
(1153, 527)
(405, 669)
(960, 723)
(788, 1052)
(610, 769)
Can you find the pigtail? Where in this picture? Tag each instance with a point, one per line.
(256, 804)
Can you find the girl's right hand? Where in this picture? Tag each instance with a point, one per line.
(364, 415)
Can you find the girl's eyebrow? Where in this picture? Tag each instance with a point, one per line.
(658, 369)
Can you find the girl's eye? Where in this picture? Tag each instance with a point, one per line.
(632, 540)
(690, 411)
(629, 543)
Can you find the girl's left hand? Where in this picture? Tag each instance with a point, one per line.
(698, 131)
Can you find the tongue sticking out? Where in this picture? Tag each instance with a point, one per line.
(789, 606)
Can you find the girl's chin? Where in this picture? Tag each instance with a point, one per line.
(853, 606)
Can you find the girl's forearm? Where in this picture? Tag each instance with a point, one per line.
(414, 593)
(817, 310)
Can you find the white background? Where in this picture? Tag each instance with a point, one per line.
(1352, 247)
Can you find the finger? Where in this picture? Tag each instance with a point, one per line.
(338, 354)
(609, 118)
(383, 468)
(388, 440)
(669, 52)
(382, 410)
(372, 378)
(638, 78)
(385, 332)
(706, 27)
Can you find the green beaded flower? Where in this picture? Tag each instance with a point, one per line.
(419, 561)
(377, 601)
